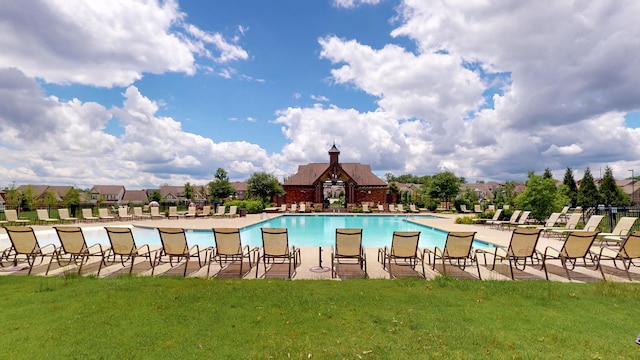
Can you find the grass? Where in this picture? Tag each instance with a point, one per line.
(167, 317)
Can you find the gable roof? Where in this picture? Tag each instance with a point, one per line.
(107, 189)
(139, 196)
(308, 174)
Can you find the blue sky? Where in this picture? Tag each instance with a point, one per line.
(144, 93)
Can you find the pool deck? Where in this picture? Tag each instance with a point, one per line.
(310, 255)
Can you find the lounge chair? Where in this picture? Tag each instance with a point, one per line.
(275, 248)
(380, 208)
(283, 208)
(400, 208)
(206, 212)
(303, 208)
(477, 208)
(123, 214)
(524, 217)
(175, 249)
(563, 213)
(463, 209)
(63, 213)
(365, 208)
(348, 250)
(549, 223)
(221, 210)
(24, 248)
(392, 208)
(499, 223)
(521, 248)
(43, 217)
(627, 253)
(571, 224)
(139, 215)
(496, 217)
(592, 225)
(577, 246)
(228, 250)
(620, 231)
(12, 218)
(233, 211)
(457, 251)
(191, 212)
(413, 209)
(173, 212)
(103, 215)
(124, 248)
(293, 208)
(155, 213)
(403, 252)
(74, 250)
(87, 215)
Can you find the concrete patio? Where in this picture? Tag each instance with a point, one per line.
(310, 256)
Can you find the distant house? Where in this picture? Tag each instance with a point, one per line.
(357, 181)
(630, 187)
(241, 189)
(412, 189)
(135, 197)
(107, 194)
(173, 194)
(40, 192)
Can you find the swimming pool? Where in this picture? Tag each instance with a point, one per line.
(304, 230)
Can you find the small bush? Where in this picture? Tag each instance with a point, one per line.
(252, 206)
(468, 220)
(432, 205)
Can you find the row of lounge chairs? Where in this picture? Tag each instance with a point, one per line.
(392, 208)
(123, 214)
(348, 257)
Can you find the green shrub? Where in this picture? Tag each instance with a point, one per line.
(432, 205)
(252, 206)
(468, 220)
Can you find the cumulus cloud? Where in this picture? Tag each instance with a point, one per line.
(105, 43)
(560, 74)
(486, 90)
(66, 142)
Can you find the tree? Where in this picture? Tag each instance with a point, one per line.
(264, 186)
(610, 192)
(50, 198)
(540, 196)
(71, 197)
(220, 188)
(12, 196)
(155, 196)
(588, 195)
(547, 174)
(188, 191)
(572, 188)
(27, 198)
(505, 194)
(445, 186)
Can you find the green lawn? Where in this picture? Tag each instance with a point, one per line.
(167, 317)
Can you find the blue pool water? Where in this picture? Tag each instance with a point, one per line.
(304, 230)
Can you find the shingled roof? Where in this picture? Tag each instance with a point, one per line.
(308, 174)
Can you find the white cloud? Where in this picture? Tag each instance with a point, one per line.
(348, 4)
(319, 98)
(110, 43)
(66, 142)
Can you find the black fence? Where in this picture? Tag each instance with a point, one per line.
(612, 215)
